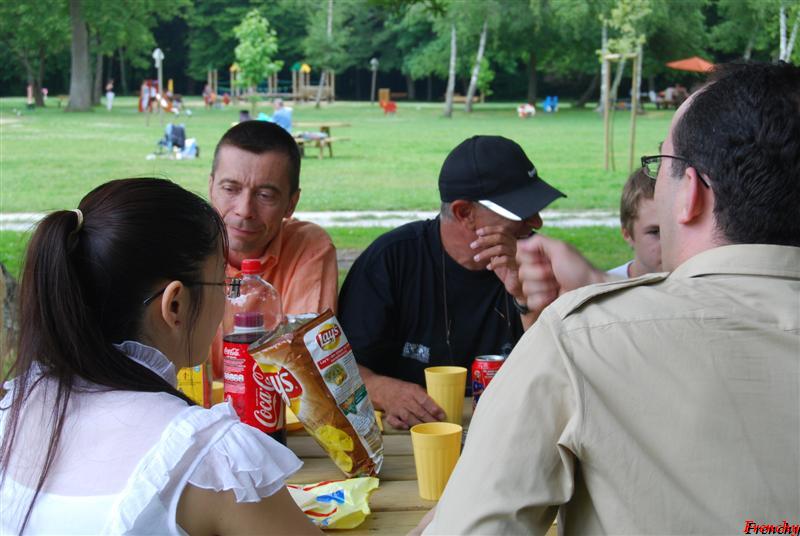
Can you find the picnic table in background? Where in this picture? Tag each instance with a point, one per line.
(322, 142)
(396, 505)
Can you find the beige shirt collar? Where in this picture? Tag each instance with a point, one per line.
(743, 259)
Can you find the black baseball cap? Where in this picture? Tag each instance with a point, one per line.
(495, 172)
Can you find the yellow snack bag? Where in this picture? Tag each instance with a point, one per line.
(320, 382)
(337, 504)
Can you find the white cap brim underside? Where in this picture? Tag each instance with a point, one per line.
(500, 211)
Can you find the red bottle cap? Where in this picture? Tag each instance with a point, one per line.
(251, 266)
(252, 319)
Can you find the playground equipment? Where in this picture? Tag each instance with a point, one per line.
(302, 89)
(234, 71)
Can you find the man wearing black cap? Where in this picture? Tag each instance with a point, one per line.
(443, 291)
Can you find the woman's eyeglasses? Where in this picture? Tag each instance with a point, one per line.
(231, 286)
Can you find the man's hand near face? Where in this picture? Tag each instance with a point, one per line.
(499, 245)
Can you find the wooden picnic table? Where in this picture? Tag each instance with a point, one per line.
(396, 505)
(324, 126)
(322, 142)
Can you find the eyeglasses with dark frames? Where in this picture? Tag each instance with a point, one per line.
(651, 165)
(230, 285)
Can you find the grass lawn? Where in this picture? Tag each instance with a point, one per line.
(49, 159)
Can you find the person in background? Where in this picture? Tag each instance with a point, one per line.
(444, 291)
(110, 94)
(666, 404)
(282, 115)
(96, 439)
(639, 226)
(207, 96)
(255, 186)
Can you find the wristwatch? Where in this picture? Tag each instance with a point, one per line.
(521, 308)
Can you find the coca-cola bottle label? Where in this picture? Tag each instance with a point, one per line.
(252, 390)
(268, 407)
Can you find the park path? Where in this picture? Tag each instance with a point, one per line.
(23, 221)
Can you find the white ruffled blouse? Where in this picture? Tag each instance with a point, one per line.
(125, 458)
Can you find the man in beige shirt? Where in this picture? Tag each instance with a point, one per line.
(667, 404)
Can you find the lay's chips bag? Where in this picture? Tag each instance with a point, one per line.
(319, 380)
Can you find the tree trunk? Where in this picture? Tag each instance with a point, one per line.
(37, 86)
(29, 76)
(430, 87)
(97, 89)
(329, 31)
(782, 18)
(748, 51)
(410, 88)
(604, 67)
(123, 79)
(532, 89)
(638, 82)
(617, 80)
(80, 83)
(320, 88)
(590, 89)
(792, 38)
(476, 69)
(451, 77)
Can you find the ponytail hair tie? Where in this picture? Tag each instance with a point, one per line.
(78, 213)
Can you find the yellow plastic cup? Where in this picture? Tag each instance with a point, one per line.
(437, 446)
(217, 392)
(446, 387)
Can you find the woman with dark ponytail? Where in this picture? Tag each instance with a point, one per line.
(115, 296)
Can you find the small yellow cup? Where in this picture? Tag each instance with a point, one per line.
(217, 392)
(437, 446)
(446, 387)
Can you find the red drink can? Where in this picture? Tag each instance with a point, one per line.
(484, 367)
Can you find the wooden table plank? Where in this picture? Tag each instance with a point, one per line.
(390, 523)
(305, 446)
(398, 495)
(319, 469)
(398, 523)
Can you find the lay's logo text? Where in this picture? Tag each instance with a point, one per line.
(328, 337)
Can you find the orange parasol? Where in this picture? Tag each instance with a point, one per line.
(694, 64)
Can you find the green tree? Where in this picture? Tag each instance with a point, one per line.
(255, 53)
(34, 32)
(742, 27)
(326, 49)
(401, 34)
(128, 27)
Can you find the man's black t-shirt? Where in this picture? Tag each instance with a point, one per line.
(392, 306)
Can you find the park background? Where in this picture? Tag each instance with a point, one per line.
(54, 150)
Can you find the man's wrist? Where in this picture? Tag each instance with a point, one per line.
(520, 305)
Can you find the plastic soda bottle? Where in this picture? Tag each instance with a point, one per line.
(253, 311)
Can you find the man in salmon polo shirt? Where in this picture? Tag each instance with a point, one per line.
(255, 186)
